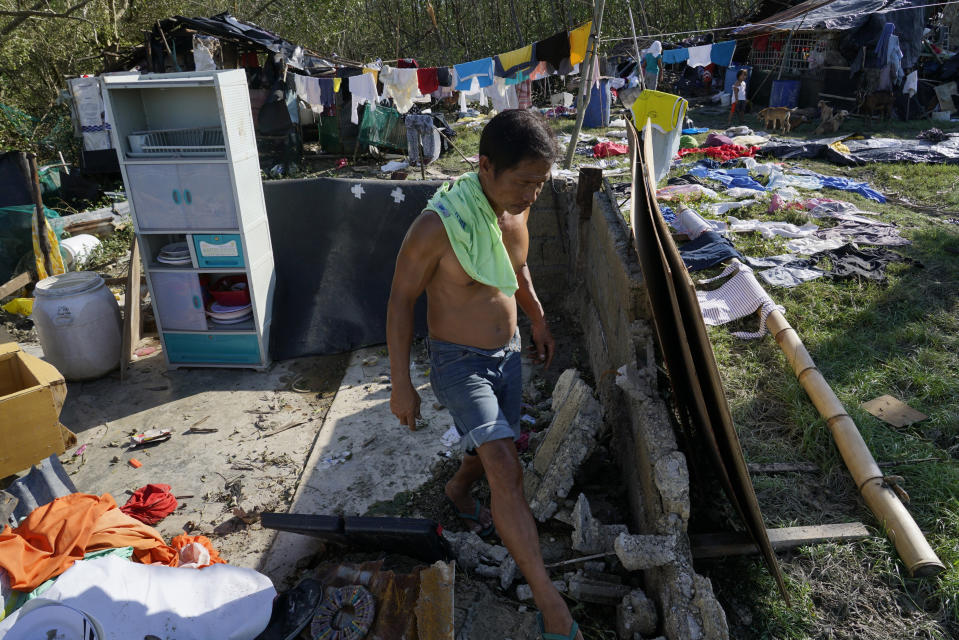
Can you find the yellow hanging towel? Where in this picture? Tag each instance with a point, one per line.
(664, 110)
(56, 260)
(578, 38)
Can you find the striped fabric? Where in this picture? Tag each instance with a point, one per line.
(738, 297)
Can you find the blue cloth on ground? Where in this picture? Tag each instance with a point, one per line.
(694, 130)
(722, 53)
(708, 250)
(730, 178)
(482, 70)
(668, 215)
(673, 56)
(845, 184)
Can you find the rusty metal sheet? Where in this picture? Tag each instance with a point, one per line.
(686, 349)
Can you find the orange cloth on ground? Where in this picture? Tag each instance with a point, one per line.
(183, 540)
(59, 533)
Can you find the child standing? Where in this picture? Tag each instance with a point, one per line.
(738, 103)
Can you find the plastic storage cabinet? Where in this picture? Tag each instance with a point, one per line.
(188, 156)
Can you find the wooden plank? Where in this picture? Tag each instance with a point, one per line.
(15, 284)
(590, 181)
(131, 309)
(720, 545)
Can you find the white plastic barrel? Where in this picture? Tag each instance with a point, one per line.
(78, 247)
(78, 321)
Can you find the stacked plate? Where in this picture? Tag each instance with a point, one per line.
(222, 314)
(175, 253)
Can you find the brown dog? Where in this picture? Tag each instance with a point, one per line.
(881, 102)
(825, 112)
(832, 125)
(775, 118)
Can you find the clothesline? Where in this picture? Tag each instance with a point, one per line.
(770, 24)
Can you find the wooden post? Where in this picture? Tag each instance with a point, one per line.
(590, 181)
(632, 26)
(585, 86)
(131, 310)
(28, 164)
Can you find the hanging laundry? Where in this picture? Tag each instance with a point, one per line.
(738, 297)
(675, 56)
(524, 94)
(722, 53)
(444, 75)
(402, 85)
(761, 43)
(473, 76)
(707, 250)
(554, 51)
(427, 80)
(501, 96)
(363, 89)
(699, 56)
(911, 85)
(512, 62)
(664, 110)
(374, 71)
(407, 63)
(337, 82)
(479, 96)
(517, 78)
(420, 131)
(578, 39)
(328, 91)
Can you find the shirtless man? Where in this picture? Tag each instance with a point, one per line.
(474, 342)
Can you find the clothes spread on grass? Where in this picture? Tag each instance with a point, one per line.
(58, 534)
(474, 233)
(151, 503)
(363, 89)
(738, 297)
(849, 261)
(707, 250)
(131, 600)
(606, 149)
(790, 276)
(724, 152)
(402, 85)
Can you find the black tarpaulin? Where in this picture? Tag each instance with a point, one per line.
(867, 150)
(335, 243)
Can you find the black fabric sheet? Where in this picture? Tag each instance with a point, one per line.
(334, 254)
(14, 186)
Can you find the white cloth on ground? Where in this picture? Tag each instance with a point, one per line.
(811, 245)
(363, 89)
(132, 600)
(737, 298)
(400, 84)
(768, 229)
(720, 208)
(785, 276)
(699, 56)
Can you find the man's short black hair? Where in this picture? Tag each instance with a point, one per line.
(515, 135)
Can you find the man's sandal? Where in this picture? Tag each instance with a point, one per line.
(475, 517)
(573, 630)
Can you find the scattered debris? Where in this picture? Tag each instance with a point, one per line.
(893, 411)
(136, 464)
(151, 436)
(589, 534)
(636, 614)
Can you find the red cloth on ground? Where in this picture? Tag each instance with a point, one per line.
(59, 533)
(183, 540)
(150, 504)
(427, 80)
(606, 149)
(725, 152)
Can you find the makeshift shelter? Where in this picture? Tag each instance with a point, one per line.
(821, 43)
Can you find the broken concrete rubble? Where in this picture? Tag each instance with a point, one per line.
(636, 616)
(589, 534)
(525, 594)
(577, 422)
(596, 590)
(638, 552)
(488, 560)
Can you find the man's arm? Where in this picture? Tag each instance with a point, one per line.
(415, 265)
(528, 301)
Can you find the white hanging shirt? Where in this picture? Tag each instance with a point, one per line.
(401, 85)
(699, 56)
(363, 88)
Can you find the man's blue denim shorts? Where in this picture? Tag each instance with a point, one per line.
(482, 388)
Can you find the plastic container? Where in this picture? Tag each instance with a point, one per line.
(78, 322)
(77, 248)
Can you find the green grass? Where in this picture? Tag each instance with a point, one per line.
(868, 339)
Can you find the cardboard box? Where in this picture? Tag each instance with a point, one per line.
(32, 393)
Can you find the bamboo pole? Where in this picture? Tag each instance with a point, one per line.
(586, 79)
(916, 554)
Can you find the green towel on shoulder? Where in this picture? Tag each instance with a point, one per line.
(474, 233)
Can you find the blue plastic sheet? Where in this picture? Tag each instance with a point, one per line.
(694, 130)
(729, 177)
